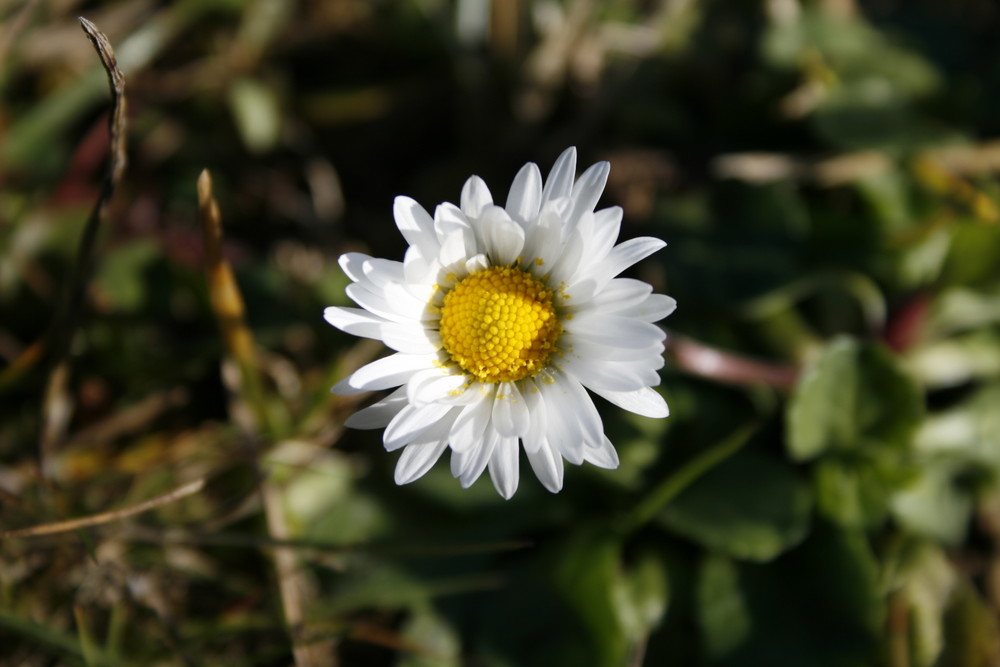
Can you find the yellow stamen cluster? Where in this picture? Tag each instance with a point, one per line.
(499, 325)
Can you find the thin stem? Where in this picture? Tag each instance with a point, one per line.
(673, 485)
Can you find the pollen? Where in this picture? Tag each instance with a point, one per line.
(499, 324)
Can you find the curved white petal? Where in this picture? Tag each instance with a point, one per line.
(646, 401)
(355, 321)
(378, 415)
(416, 460)
(468, 466)
(630, 252)
(410, 423)
(534, 437)
(602, 454)
(584, 410)
(503, 466)
(384, 373)
(547, 466)
(510, 413)
(475, 197)
(588, 190)
(416, 225)
(410, 338)
(580, 346)
(614, 330)
(450, 220)
(352, 264)
(607, 225)
(563, 430)
(467, 431)
(502, 238)
(560, 181)
(525, 197)
(373, 303)
(621, 376)
(431, 385)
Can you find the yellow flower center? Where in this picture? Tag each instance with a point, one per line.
(499, 325)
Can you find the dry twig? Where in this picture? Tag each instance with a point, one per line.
(106, 517)
(56, 410)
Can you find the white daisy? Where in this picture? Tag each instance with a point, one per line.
(500, 316)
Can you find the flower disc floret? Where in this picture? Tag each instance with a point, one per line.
(499, 325)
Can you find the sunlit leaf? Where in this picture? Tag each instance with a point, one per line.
(750, 507)
(854, 397)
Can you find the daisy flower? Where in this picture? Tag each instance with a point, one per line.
(500, 317)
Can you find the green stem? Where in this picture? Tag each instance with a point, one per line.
(673, 485)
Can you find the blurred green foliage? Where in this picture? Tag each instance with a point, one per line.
(825, 172)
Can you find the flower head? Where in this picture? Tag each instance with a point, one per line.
(499, 318)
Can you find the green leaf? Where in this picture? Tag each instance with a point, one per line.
(818, 605)
(750, 507)
(722, 607)
(927, 581)
(852, 491)
(618, 607)
(934, 505)
(854, 398)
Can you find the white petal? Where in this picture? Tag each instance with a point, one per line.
(535, 403)
(454, 250)
(607, 225)
(545, 240)
(503, 466)
(432, 384)
(416, 460)
(355, 321)
(468, 466)
(576, 345)
(374, 303)
(467, 432)
(476, 263)
(412, 302)
(410, 423)
(630, 252)
(588, 189)
(502, 238)
(418, 269)
(560, 181)
(352, 263)
(653, 309)
(382, 272)
(563, 431)
(510, 413)
(525, 197)
(614, 330)
(475, 197)
(448, 220)
(416, 225)
(646, 401)
(566, 264)
(619, 376)
(620, 294)
(584, 410)
(548, 467)
(378, 415)
(410, 338)
(602, 455)
(383, 373)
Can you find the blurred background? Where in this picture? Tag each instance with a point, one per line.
(825, 491)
